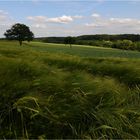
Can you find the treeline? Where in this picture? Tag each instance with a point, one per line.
(2, 38)
(119, 44)
(106, 37)
(132, 37)
(122, 41)
(51, 39)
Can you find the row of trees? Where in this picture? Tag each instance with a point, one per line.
(119, 44)
(101, 37)
(106, 37)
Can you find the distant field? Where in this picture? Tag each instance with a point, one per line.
(85, 51)
(45, 93)
(79, 50)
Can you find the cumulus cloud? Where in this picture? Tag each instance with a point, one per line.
(37, 18)
(5, 21)
(65, 25)
(114, 21)
(114, 25)
(42, 25)
(96, 25)
(39, 25)
(95, 15)
(121, 20)
(3, 15)
(62, 19)
(5, 18)
(77, 17)
(3, 12)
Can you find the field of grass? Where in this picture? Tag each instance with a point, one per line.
(46, 93)
(85, 51)
(82, 51)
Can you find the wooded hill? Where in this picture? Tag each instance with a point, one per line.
(97, 37)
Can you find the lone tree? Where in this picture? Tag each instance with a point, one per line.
(69, 40)
(19, 32)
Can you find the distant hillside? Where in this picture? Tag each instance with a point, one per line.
(98, 37)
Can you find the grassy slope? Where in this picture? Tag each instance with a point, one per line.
(50, 95)
(85, 51)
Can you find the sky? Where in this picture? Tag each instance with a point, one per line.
(72, 17)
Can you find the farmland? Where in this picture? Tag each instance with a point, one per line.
(54, 91)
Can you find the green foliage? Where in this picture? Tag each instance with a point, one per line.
(82, 50)
(69, 40)
(124, 41)
(97, 37)
(19, 32)
(58, 96)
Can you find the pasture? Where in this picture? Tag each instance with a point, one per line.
(78, 50)
(51, 91)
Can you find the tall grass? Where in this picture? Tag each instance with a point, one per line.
(57, 96)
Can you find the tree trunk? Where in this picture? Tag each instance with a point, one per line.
(20, 42)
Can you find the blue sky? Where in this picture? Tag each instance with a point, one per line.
(72, 17)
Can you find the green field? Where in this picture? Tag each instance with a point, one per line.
(51, 91)
(84, 51)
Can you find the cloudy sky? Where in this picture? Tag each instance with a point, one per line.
(72, 17)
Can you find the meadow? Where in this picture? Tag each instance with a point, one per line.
(51, 91)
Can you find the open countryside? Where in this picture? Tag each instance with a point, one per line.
(66, 87)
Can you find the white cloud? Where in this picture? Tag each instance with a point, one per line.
(114, 22)
(114, 25)
(3, 15)
(92, 25)
(97, 24)
(5, 22)
(39, 25)
(121, 20)
(5, 18)
(43, 19)
(77, 17)
(95, 15)
(3, 12)
(37, 18)
(62, 19)
(42, 26)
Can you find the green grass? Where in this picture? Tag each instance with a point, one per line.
(85, 51)
(78, 50)
(52, 95)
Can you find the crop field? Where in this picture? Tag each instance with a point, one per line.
(78, 50)
(52, 91)
(85, 51)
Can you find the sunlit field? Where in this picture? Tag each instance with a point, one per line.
(77, 50)
(52, 91)
(84, 51)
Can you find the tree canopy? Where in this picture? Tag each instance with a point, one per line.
(19, 32)
(69, 40)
